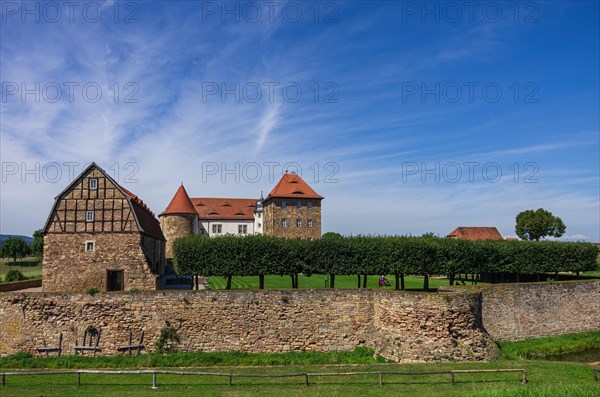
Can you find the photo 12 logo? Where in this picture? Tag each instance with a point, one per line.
(469, 92)
(469, 11)
(270, 11)
(70, 91)
(69, 11)
(272, 91)
(253, 172)
(468, 172)
(64, 172)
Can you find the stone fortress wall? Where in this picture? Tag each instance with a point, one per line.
(402, 326)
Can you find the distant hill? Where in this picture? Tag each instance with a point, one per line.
(3, 237)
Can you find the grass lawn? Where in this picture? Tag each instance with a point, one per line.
(545, 379)
(414, 283)
(30, 267)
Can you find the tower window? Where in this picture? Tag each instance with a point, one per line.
(309, 223)
(298, 204)
(89, 246)
(298, 222)
(309, 205)
(89, 216)
(93, 183)
(284, 223)
(283, 204)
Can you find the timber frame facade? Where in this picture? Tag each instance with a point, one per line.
(100, 235)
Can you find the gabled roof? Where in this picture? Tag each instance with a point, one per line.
(144, 217)
(476, 233)
(180, 204)
(292, 186)
(224, 208)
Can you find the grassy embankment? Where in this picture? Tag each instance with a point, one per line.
(546, 378)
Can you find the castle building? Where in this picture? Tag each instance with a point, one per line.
(291, 210)
(100, 235)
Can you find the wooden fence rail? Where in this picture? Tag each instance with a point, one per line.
(230, 376)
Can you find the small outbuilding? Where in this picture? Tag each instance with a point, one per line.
(474, 233)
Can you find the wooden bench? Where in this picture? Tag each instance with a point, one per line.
(45, 349)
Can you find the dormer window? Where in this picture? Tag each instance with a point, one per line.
(93, 183)
(89, 216)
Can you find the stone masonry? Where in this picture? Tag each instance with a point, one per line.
(402, 326)
(274, 213)
(522, 311)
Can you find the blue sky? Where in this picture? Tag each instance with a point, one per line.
(420, 117)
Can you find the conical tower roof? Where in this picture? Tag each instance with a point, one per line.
(180, 204)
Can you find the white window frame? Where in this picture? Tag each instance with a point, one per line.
(89, 218)
(217, 228)
(309, 223)
(284, 223)
(298, 222)
(242, 229)
(93, 184)
(87, 243)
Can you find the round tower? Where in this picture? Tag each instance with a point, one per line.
(178, 219)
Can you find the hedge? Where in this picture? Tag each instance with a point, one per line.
(262, 255)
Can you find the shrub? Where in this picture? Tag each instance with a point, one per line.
(14, 275)
(92, 291)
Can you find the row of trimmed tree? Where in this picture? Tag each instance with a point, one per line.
(365, 255)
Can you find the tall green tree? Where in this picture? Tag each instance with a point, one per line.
(15, 247)
(37, 246)
(533, 225)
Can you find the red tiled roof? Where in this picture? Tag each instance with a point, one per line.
(146, 219)
(224, 208)
(476, 233)
(180, 204)
(293, 186)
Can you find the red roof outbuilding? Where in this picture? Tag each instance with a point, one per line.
(476, 233)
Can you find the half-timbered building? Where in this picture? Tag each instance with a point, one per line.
(101, 235)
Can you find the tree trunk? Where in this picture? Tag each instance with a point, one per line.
(397, 277)
(364, 281)
(555, 276)
(426, 282)
(293, 280)
(358, 276)
(451, 278)
(577, 275)
(402, 282)
(296, 277)
(332, 280)
(228, 282)
(261, 281)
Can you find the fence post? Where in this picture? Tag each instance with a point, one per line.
(78, 378)
(451, 377)
(524, 377)
(3, 379)
(230, 380)
(380, 379)
(596, 375)
(154, 381)
(306, 380)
